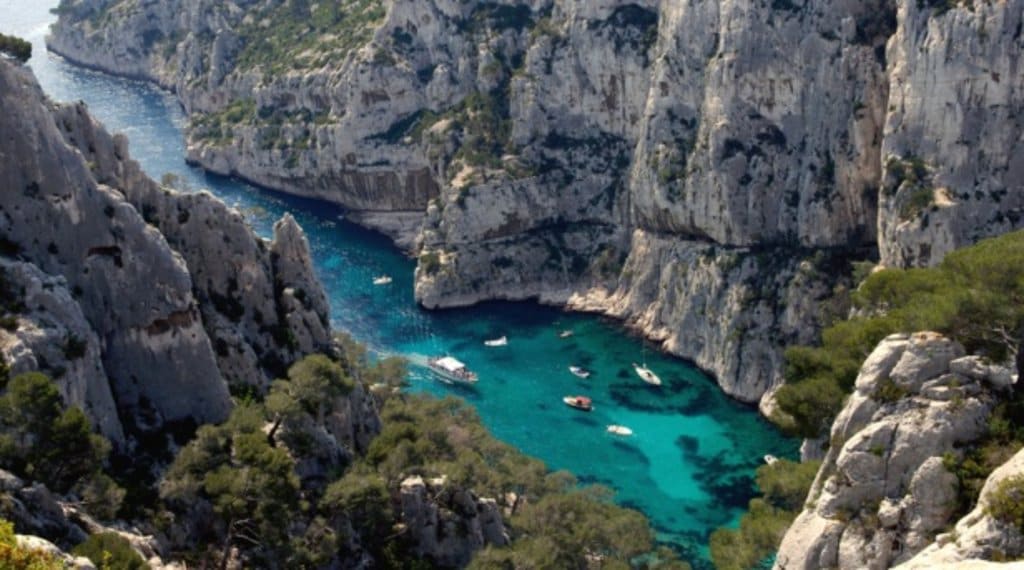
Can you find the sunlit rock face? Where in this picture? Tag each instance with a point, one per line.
(559, 150)
(143, 304)
(883, 495)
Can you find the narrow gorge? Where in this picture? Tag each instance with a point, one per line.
(817, 203)
(704, 171)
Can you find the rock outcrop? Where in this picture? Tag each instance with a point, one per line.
(883, 492)
(977, 536)
(157, 300)
(557, 150)
(448, 525)
(55, 525)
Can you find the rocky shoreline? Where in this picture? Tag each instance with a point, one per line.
(573, 154)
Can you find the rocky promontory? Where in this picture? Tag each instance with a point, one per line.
(890, 487)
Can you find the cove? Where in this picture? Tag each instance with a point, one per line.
(689, 465)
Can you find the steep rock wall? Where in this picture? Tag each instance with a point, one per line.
(883, 494)
(146, 319)
(536, 137)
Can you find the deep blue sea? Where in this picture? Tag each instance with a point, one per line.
(690, 462)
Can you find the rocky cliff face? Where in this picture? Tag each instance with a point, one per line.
(884, 494)
(157, 300)
(589, 152)
(448, 525)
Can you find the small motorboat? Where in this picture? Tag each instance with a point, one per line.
(451, 370)
(580, 371)
(501, 341)
(579, 402)
(770, 459)
(382, 280)
(565, 334)
(647, 375)
(620, 430)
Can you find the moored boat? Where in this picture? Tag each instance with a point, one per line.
(579, 402)
(501, 341)
(382, 280)
(565, 334)
(647, 375)
(620, 430)
(452, 370)
(580, 371)
(770, 459)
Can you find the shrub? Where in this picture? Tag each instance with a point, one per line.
(888, 391)
(920, 198)
(760, 532)
(975, 296)
(41, 440)
(14, 557)
(430, 262)
(250, 485)
(784, 485)
(1006, 503)
(110, 551)
(15, 48)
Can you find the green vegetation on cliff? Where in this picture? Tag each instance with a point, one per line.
(300, 34)
(15, 48)
(784, 486)
(110, 551)
(271, 487)
(42, 440)
(14, 557)
(975, 296)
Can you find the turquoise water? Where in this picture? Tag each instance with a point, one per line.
(688, 467)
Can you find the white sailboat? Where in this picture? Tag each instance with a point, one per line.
(382, 280)
(645, 373)
(500, 341)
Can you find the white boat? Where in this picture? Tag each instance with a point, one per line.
(770, 459)
(451, 370)
(382, 280)
(579, 402)
(502, 341)
(647, 375)
(565, 334)
(620, 430)
(580, 371)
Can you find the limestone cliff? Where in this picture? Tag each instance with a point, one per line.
(590, 152)
(884, 493)
(447, 524)
(142, 303)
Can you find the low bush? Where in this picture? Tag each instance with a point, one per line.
(109, 551)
